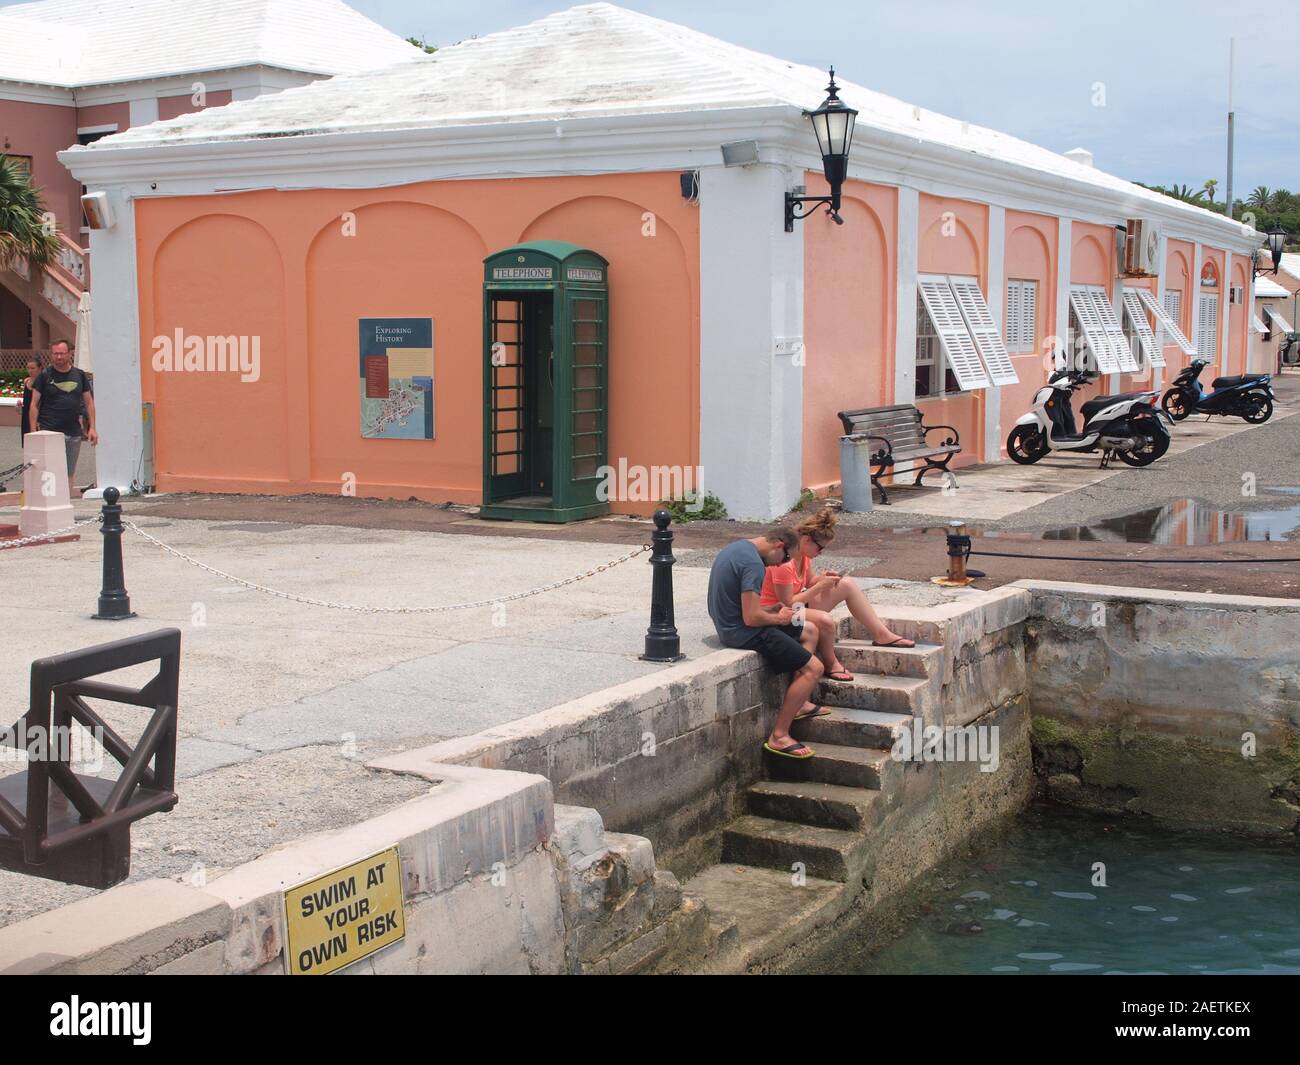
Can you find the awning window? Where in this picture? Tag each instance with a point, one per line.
(1280, 322)
(1138, 320)
(1093, 324)
(1165, 323)
(983, 330)
(954, 335)
(1260, 327)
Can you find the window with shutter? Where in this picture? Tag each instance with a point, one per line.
(1166, 318)
(1207, 325)
(954, 335)
(1135, 315)
(1022, 316)
(1091, 318)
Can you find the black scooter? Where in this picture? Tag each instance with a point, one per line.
(1248, 396)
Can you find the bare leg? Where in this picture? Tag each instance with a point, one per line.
(847, 591)
(826, 635)
(801, 686)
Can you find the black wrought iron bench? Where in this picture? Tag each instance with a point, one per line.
(902, 438)
(62, 825)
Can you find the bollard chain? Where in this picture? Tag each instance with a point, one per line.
(309, 601)
(42, 537)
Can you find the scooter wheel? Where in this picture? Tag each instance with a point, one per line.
(1174, 405)
(1155, 442)
(1260, 409)
(1026, 444)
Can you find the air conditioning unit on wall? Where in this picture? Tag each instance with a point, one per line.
(1141, 248)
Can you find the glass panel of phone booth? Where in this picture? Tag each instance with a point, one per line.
(506, 396)
(590, 374)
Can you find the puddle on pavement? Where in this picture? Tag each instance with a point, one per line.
(1184, 522)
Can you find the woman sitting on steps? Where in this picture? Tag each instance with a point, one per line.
(794, 582)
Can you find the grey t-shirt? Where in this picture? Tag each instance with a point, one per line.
(738, 568)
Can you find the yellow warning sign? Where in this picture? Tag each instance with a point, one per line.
(344, 916)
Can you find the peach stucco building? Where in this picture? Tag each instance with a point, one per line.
(75, 71)
(729, 345)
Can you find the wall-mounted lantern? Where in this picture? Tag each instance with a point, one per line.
(1276, 238)
(833, 125)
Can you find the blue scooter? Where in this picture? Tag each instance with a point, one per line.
(1248, 396)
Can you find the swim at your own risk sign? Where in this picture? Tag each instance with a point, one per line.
(344, 916)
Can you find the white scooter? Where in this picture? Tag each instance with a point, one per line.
(1127, 425)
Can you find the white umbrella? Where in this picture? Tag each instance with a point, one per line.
(83, 334)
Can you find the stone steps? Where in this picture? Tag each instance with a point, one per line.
(823, 805)
(851, 727)
(862, 656)
(886, 695)
(852, 767)
(767, 911)
(825, 853)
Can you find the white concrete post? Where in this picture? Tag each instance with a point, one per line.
(115, 340)
(45, 485)
(751, 303)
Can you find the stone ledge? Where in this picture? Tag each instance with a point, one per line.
(130, 928)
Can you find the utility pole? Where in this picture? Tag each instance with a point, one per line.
(1232, 45)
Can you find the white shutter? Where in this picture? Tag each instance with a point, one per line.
(1015, 312)
(1114, 331)
(983, 330)
(1029, 314)
(1282, 322)
(1136, 315)
(963, 358)
(1207, 326)
(1260, 327)
(1094, 329)
(1167, 320)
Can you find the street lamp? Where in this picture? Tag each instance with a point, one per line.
(833, 126)
(1276, 239)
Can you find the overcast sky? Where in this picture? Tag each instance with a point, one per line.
(1026, 68)
(1022, 67)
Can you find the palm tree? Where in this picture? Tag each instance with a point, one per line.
(1185, 193)
(24, 231)
(1260, 197)
(1279, 201)
(1210, 186)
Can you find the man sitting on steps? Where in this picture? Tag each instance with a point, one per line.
(785, 641)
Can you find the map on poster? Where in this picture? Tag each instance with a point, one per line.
(396, 378)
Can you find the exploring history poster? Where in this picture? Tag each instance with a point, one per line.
(396, 380)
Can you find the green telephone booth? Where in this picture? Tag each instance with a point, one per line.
(545, 382)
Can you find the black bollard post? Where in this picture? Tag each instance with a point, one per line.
(662, 644)
(114, 603)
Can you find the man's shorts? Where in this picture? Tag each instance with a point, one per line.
(780, 647)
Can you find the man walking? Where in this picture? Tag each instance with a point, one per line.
(59, 394)
(735, 584)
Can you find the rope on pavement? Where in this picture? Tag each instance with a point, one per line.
(309, 601)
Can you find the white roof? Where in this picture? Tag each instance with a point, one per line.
(1266, 289)
(76, 43)
(591, 61)
(1291, 264)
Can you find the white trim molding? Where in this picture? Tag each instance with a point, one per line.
(997, 301)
